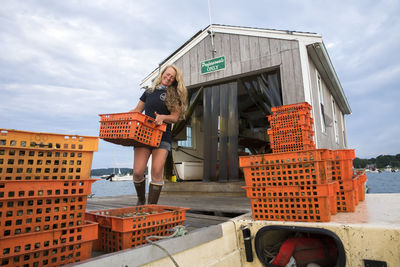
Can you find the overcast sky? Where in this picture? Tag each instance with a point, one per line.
(64, 62)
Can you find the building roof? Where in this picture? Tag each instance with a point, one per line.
(322, 61)
(312, 41)
(217, 28)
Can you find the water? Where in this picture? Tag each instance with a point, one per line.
(105, 188)
(384, 182)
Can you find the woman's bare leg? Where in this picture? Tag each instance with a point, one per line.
(141, 156)
(157, 165)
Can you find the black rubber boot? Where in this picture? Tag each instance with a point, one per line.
(154, 193)
(141, 192)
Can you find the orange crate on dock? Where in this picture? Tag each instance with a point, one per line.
(308, 167)
(356, 185)
(362, 178)
(346, 201)
(342, 164)
(291, 136)
(128, 227)
(295, 120)
(302, 208)
(291, 128)
(49, 248)
(291, 108)
(33, 206)
(45, 156)
(321, 190)
(130, 129)
(292, 147)
(351, 191)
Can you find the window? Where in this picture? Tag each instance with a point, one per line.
(188, 141)
(335, 122)
(321, 102)
(343, 129)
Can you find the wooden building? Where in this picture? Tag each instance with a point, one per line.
(234, 76)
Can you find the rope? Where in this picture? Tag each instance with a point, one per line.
(272, 251)
(179, 230)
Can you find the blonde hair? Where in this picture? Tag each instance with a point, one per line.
(176, 93)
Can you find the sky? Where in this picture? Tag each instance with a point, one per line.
(64, 62)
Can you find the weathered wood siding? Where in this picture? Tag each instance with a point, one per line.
(245, 54)
(326, 139)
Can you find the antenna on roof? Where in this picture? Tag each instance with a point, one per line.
(210, 31)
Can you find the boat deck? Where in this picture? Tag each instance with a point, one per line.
(215, 238)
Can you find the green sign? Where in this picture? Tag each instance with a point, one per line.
(212, 65)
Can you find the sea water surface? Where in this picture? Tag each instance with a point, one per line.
(105, 188)
(384, 182)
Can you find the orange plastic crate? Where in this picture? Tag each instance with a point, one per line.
(360, 178)
(52, 257)
(285, 158)
(303, 209)
(300, 119)
(346, 201)
(291, 108)
(342, 164)
(361, 186)
(292, 147)
(34, 206)
(45, 156)
(292, 191)
(321, 190)
(128, 227)
(350, 185)
(111, 241)
(351, 192)
(130, 129)
(291, 136)
(43, 246)
(309, 167)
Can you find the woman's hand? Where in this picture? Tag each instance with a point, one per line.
(172, 118)
(159, 120)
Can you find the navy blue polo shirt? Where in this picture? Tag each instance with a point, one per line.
(155, 102)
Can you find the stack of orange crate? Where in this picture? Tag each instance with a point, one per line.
(298, 182)
(291, 128)
(291, 186)
(44, 184)
(351, 186)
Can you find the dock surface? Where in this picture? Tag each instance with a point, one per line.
(205, 210)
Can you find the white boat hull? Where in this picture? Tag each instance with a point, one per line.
(118, 178)
(372, 232)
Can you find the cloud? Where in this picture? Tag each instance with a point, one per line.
(64, 62)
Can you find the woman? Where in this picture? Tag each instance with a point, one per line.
(166, 103)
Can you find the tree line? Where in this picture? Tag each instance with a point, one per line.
(379, 162)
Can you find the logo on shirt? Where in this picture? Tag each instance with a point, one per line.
(163, 96)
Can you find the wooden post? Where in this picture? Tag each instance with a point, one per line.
(233, 132)
(223, 137)
(207, 133)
